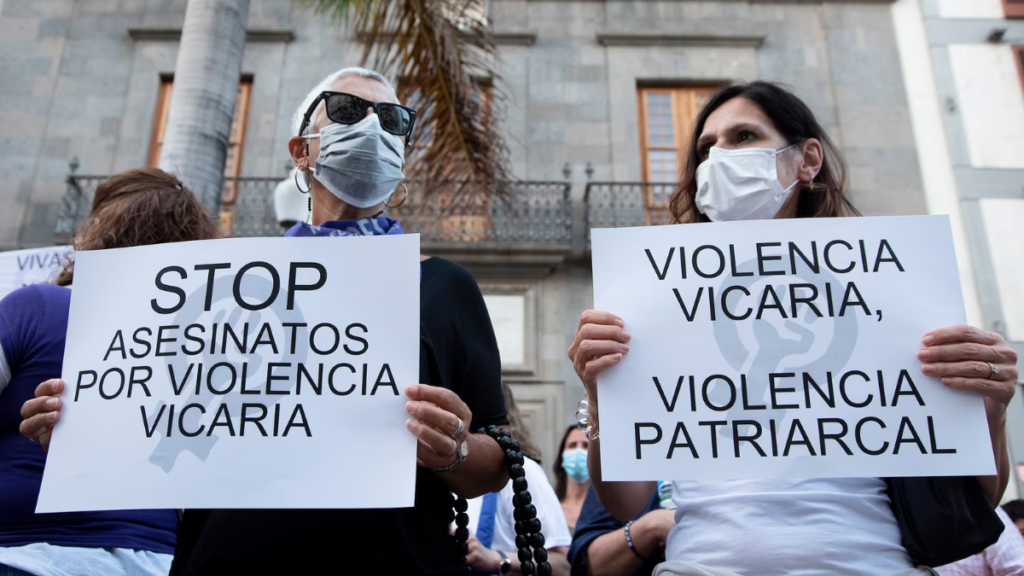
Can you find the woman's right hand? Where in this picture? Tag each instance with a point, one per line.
(42, 412)
(601, 341)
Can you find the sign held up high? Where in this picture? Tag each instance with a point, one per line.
(240, 373)
(783, 348)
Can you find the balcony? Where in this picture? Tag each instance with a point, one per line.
(535, 213)
(624, 204)
(527, 233)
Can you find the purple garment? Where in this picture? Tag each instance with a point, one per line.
(33, 328)
(379, 226)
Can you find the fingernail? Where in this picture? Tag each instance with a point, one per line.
(51, 403)
(51, 417)
(927, 368)
(619, 322)
(625, 348)
(627, 335)
(409, 407)
(924, 354)
(928, 340)
(408, 423)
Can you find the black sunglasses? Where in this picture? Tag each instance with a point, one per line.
(348, 109)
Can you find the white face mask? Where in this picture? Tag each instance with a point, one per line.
(741, 184)
(359, 163)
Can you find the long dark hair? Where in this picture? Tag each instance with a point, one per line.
(561, 478)
(824, 197)
(136, 208)
(516, 426)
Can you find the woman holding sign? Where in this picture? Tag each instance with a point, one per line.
(757, 152)
(353, 130)
(135, 208)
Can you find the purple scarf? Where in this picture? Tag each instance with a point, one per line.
(379, 226)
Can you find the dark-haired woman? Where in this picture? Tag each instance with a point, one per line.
(757, 152)
(134, 208)
(572, 479)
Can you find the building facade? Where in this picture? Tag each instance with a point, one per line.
(602, 94)
(963, 63)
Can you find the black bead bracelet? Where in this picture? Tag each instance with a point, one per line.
(533, 557)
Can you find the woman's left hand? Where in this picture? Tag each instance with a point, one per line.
(973, 360)
(436, 414)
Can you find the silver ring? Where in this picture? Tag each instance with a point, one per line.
(460, 430)
(994, 370)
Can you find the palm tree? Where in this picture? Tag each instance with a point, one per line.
(203, 98)
(438, 50)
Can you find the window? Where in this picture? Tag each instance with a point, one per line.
(236, 143)
(666, 121)
(1013, 8)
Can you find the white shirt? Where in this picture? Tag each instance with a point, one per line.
(792, 527)
(48, 560)
(549, 510)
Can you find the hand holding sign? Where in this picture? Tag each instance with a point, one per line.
(436, 413)
(972, 360)
(40, 414)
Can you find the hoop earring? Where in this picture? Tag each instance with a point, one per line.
(296, 178)
(404, 198)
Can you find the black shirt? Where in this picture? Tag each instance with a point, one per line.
(457, 351)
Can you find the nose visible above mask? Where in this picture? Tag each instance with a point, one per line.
(741, 184)
(360, 163)
(575, 464)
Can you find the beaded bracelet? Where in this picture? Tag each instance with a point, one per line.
(529, 539)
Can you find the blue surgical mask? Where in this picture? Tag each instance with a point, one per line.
(575, 463)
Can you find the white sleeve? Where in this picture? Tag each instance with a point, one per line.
(5, 371)
(549, 509)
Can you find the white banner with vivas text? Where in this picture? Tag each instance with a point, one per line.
(783, 348)
(239, 373)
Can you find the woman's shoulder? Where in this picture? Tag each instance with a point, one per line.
(31, 298)
(447, 277)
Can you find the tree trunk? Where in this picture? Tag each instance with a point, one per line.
(203, 99)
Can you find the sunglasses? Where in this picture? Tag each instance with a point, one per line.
(348, 109)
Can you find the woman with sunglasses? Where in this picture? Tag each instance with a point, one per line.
(350, 137)
(757, 152)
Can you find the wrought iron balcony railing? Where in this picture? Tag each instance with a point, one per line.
(533, 213)
(622, 204)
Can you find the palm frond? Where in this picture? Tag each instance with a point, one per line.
(438, 51)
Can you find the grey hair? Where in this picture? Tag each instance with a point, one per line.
(329, 81)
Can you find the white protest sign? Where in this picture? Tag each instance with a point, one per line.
(20, 268)
(239, 373)
(783, 348)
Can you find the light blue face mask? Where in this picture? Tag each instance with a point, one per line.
(575, 463)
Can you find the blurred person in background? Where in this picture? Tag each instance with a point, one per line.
(1015, 510)
(601, 544)
(572, 479)
(1004, 558)
(135, 208)
(492, 540)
